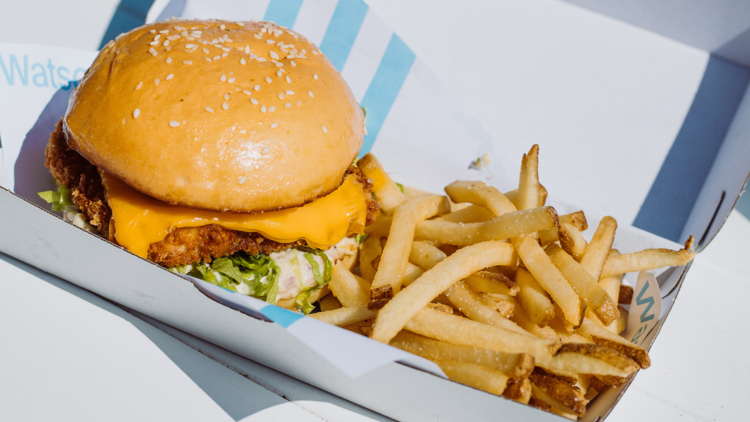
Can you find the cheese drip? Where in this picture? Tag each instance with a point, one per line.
(141, 220)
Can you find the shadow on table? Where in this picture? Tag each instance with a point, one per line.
(198, 359)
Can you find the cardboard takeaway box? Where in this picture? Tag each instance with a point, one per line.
(678, 162)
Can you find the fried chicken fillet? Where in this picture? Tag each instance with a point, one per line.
(183, 245)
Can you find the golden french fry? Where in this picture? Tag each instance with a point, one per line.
(528, 184)
(515, 365)
(513, 196)
(611, 285)
(560, 324)
(620, 323)
(572, 241)
(549, 277)
(477, 309)
(329, 303)
(470, 214)
(477, 376)
(504, 305)
(625, 295)
(412, 192)
(534, 299)
(557, 393)
(600, 335)
(425, 255)
(411, 274)
(465, 261)
(392, 267)
(462, 331)
(584, 284)
(489, 282)
(576, 219)
(518, 389)
(596, 252)
(386, 191)
(349, 289)
(478, 193)
(344, 316)
(649, 259)
(369, 250)
(588, 358)
(522, 319)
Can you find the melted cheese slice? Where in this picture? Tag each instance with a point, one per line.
(141, 220)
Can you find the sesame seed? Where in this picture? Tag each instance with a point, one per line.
(140, 84)
(256, 87)
(315, 77)
(231, 80)
(152, 51)
(274, 55)
(310, 94)
(223, 78)
(269, 80)
(169, 60)
(272, 108)
(287, 105)
(242, 61)
(246, 92)
(170, 76)
(288, 80)
(168, 48)
(188, 62)
(227, 49)
(209, 109)
(226, 97)
(156, 38)
(325, 130)
(208, 59)
(224, 54)
(279, 73)
(262, 109)
(156, 82)
(136, 113)
(314, 52)
(154, 43)
(293, 63)
(273, 125)
(205, 50)
(174, 123)
(189, 45)
(299, 102)
(153, 31)
(271, 41)
(281, 96)
(278, 64)
(164, 32)
(179, 28)
(254, 101)
(166, 43)
(243, 179)
(241, 23)
(225, 106)
(222, 26)
(290, 93)
(217, 57)
(265, 151)
(260, 37)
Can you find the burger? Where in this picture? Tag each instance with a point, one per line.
(221, 150)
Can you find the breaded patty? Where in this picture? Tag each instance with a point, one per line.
(183, 245)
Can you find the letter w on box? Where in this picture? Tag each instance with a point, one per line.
(644, 309)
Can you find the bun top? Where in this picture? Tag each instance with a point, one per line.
(217, 115)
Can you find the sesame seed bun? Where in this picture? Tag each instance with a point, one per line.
(249, 126)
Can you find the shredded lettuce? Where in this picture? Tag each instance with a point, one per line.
(400, 187)
(60, 198)
(303, 301)
(360, 238)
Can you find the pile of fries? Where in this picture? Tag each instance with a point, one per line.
(497, 289)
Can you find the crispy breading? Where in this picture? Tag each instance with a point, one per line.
(183, 245)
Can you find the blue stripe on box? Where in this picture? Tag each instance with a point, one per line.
(385, 86)
(342, 31)
(281, 316)
(283, 12)
(672, 197)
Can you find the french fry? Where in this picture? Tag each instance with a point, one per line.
(472, 305)
(522, 319)
(649, 259)
(515, 365)
(350, 290)
(596, 252)
(440, 307)
(560, 324)
(412, 273)
(329, 303)
(557, 393)
(584, 284)
(576, 219)
(504, 305)
(425, 255)
(572, 241)
(369, 250)
(344, 316)
(411, 192)
(518, 389)
(470, 214)
(588, 358)
(477, 376)
(513, 196)
(600, 335)
(465, 261)
(386, 191)
(478, 193)
(534, 299)
(611, 285)
(620, 323)
(528, 184)
(387, 280)
(625, 296)
(465, 332)
(488, 282)
(550, 278)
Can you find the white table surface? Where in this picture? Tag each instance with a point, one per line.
(66, 354)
